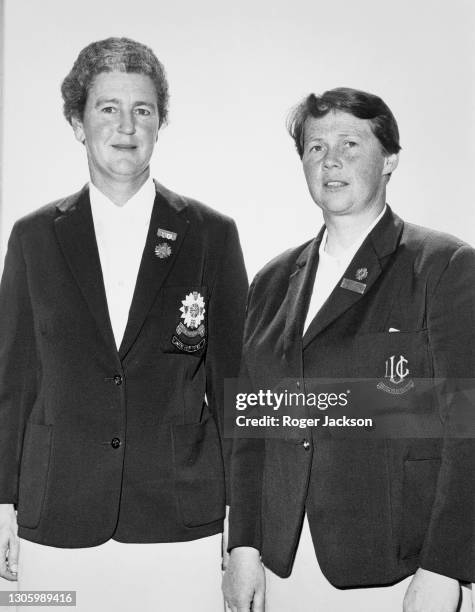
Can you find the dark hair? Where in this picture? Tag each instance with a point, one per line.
(353, 101)
(122, 54)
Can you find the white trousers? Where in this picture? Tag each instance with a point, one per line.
(117, 577)
(307, 589)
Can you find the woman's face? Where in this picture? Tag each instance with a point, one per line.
(119, 127)
(344, 163)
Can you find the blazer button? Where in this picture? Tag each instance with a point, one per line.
(115, 442)
(306, 444)
(118, 379)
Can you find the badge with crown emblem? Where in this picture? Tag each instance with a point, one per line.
(191, 326)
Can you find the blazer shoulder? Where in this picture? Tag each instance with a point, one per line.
(432, 242)
(206, 214)
(281, 266)
(195, 210)
(435, 255)
(37, 219)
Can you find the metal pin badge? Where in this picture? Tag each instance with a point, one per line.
(361, 274)
(163, 250)
(167, 234)
(352, 285)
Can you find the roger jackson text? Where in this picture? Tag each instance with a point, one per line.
(288, 421)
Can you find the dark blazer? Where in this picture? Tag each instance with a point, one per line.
(378, 508)
(97, 443)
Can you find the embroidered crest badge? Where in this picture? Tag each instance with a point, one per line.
(192, 326)
(396, 373)
(193, 310)
(163, 250)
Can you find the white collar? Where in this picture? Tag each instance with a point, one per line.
(138, 208)
(347, 255)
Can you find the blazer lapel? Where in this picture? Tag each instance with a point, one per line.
(343, 297)
(167, 214)
(298, 296)
(77, 239)
(354, 285)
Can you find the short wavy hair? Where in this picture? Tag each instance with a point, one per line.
(353, 101)
(121, 54)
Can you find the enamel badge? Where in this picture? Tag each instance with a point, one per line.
(352, 285)
(163, 250)
(167, 234)
(361, 274)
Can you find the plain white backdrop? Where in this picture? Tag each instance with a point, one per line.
(235, 69)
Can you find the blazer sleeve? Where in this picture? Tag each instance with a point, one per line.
(449, 547)
(18, 365)
(225, 327)
(247, 466)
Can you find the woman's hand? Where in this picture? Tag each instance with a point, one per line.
(9, 542)
(244, 580)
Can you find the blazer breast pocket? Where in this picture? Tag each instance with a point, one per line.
(394, 384)
(392, 355)
(199, 472)
(34, 474)
(183, 313)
